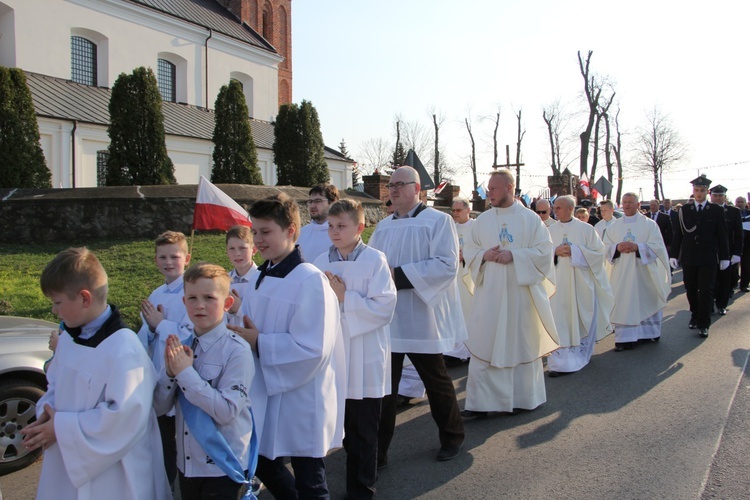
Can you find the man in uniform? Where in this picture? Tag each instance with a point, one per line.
(699, 243)
(733, 220)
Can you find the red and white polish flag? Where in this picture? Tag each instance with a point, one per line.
(214, 209)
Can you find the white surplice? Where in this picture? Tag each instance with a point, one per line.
(641, 283)
(299, 388)
(366, 313)
(583, 301)
(465, 287)
(108, 442)
(428, 317)
(314, 240)
(511, 325)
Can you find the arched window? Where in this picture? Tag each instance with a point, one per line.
(167, 79)
(268, 23)
(283, 43)
(83, 67)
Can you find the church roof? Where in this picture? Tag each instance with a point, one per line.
(209, 14)
(66, 100)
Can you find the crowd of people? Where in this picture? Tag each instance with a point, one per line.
(232, 374)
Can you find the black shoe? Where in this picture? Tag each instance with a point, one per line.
(469, 414)
(402, 401)
(723, 311)
(382, 463)
(448, 452)
(693, 324)
(655, 339)
(703, 333)
(630, 345)
(619, 347)
(744, 289)
(553, 374)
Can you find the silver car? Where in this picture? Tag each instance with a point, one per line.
(23, 351)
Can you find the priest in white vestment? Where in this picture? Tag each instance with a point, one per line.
(460, 211)
(640, 275)
(583, 301)
(544, 211)
(421, 246)
(511, 326)
(607, 209)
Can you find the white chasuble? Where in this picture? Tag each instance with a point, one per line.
(299, 388)
(366, 313)
(108, 442)
(641, 283)
(428, 317)
(583, 291)
(511, 321)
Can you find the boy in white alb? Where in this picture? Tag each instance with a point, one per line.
(292, 322)
(163, 314)
(361, 279)
(209, 383)
(240, 250)
(96, 422)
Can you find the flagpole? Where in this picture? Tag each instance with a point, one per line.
(192, 238)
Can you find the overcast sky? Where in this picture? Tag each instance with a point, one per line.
(361, 62)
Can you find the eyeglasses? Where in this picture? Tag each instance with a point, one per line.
(398, 185)
(315, 201)
(541, 211)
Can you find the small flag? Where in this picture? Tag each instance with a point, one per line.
(214, 209)
(481, 192)
(584, 184)
(440, 187)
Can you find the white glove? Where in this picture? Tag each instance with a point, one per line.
(735, 259)
(723, 264)
(674, 263)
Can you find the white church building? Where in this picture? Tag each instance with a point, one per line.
(73, 50)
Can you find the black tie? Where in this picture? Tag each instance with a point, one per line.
(700, 208)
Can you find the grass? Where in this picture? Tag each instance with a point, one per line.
(129, 264)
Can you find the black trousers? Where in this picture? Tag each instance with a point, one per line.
(440, 393)
(723, 290)
(699, 288)
(213, 488)
(745, 262)
(308, 481)
(169, 446)
(361, 421)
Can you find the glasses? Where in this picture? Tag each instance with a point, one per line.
(315, 201)
(541, 211)
(398, 185)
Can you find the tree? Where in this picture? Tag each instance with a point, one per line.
(22, 162)
(473, 158)
(137, 149)
(235, 158)
(592, 90)
(298, 148)
(375, 154)
(399, 153)
(658, 146)
(617, 148)
(355, 169)
(519, 138)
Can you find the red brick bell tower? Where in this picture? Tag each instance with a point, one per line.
(273, 20)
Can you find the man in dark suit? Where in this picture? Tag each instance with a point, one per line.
(744, 275)
(733, 220)
(663, 221)
(667, 203)
(699, 243)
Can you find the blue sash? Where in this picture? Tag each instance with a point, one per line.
(211, 440)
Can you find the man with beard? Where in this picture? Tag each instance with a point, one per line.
(313, 238)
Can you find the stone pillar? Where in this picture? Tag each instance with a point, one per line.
(445, 197)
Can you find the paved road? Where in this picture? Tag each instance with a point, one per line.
(667, 420)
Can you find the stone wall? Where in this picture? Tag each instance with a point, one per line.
(44, 215)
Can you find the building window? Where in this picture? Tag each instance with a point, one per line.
(83, 61)
(101, 167)
(167, 80)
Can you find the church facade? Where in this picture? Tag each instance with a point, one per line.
(73, 50)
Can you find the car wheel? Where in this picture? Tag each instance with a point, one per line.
(17, 410)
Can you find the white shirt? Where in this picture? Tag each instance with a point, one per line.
(314, 240)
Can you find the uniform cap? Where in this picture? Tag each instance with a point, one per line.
(718, 189)
(701, 180)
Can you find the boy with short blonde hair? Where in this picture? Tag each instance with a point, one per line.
(361, 279)
(208, 382)
(163, 313)
(240, 251)
(291, 320)
(96, 422)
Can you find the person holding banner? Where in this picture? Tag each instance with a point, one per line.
(208, 381)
